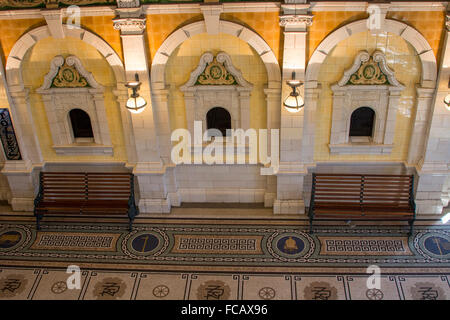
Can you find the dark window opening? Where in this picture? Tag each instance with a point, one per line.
(361, 122)
(81, 124)
(218, 118)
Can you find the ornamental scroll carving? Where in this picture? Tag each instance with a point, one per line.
(215, 74)
(216, 70)
(217, 82)
(68, 73)
(369, 70)
(69, 77)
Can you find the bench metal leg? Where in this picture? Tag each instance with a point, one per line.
(38, 222)
(411, 227)
(310, 225)
(130, 226)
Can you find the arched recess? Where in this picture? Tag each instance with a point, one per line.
(19, 94)
(28, 40)
(253, 39)
(411, 35)
(424, 99)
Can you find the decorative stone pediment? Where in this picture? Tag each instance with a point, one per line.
(369, 82)
(68, 73)
(218, 70)
(68, 85)
(215, 73)
(369, 70)
(217, 83)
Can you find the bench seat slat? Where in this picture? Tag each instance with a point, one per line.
(359, 197)
(81, 193)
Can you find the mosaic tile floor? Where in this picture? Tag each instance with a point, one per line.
(211, 259)
(51, 284)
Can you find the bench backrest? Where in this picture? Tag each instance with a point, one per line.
(76, 186)
(364, 190)
(117, 186)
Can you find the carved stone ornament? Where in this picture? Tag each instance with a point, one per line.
(369, 70)
(217, 83)
(217, 70)
(215, 74)
(69, 77)
(50, 3)
(299, 19)
(69, 86)
(128, 3)
(129, 24)
(68, 73)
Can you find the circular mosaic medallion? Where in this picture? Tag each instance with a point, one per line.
(59, 287)
(437, 245)
(267, 293)
(13, 238)
(291, 245)
(434, 245)
(145, 243)
(161, 291)
(374, 294)
(9, 239)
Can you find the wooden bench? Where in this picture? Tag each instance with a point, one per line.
(69, 193)
(362, 197)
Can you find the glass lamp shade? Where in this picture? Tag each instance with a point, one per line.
(293, 103)
(447, 101)
(136, 104)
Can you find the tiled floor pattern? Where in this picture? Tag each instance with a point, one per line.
(198, 259)
(222, 245)
(52, 284)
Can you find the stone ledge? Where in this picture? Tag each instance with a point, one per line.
(83, 150)
(289, 207)
(359, 148)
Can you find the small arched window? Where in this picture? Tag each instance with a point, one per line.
(81, 124)
(361, 122)
(218, 118)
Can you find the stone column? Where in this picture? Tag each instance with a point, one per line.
(421, 121)
(22, 174)
(273, 97)
(148, 165)
(433, 167)
(290, 177)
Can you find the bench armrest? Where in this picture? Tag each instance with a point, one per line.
(40, 194)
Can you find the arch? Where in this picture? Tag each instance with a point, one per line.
(29, 39)
(362, 122)
(218, 118)
(179, 36)
(80, 123)
(411, 35)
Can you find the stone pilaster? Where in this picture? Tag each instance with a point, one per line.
(431, 138)
(150, 128)
(22, 174)
(290, 177)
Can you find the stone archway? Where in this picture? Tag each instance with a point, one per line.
(412, 36)
(424, 90)
(253, 39)
(28, 40)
